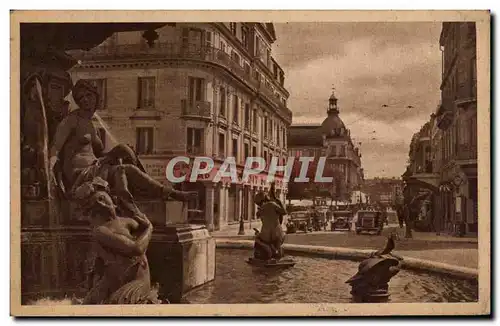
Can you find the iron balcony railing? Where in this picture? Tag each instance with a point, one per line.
(181, 51)
(197, 109)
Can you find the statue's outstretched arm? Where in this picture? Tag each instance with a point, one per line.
(121, 243)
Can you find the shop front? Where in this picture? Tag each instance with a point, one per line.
(459, 200)
(223, 202)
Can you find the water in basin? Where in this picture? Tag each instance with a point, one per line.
(316, 280)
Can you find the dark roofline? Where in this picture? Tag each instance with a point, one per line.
(305, 126)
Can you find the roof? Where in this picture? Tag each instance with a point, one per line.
(332, 122)
(305, 135)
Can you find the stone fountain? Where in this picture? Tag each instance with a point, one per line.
(56, 247)
(371, 282)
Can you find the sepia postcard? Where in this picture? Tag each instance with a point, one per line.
(250, 163)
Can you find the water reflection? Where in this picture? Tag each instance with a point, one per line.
(315, 280)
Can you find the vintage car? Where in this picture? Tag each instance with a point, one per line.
(341, 220)
(369, 221)
(319, 221)
(299, 221)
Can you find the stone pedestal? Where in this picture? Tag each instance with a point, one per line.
(181, 257)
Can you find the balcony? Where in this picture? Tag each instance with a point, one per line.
(166, 51)
(199, 109)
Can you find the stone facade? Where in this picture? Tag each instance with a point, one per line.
(445, 155)
(208, 89)
(388, 191)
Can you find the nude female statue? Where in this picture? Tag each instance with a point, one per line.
(120, 243)
(78, 148)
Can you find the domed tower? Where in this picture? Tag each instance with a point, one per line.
(343, 156)
(333, 126)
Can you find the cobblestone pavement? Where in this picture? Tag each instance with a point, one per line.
(423, 245)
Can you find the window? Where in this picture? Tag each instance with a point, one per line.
(342, 150)
(223, 47)
(254, 151)
(100, 85)
(196, 90)
(222, 145)
(235, 149)
(144, 140)
(246, 151)
(194, 140)
(257, 46)
(268, 57)
(244, 36)
(208, 39)
(232, 27)
(185, 37)
(146, 92)
(222, 105)
(333, 150)
(265, 156)
(247, 116)
(102, 136)
(236, 107)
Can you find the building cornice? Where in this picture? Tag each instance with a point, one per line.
(249, 56)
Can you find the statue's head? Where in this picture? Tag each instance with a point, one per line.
(95, 200)
(86, 96)
(101, 207)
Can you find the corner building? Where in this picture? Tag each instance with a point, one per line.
(200, 89)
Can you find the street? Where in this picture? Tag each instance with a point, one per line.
(423, 245)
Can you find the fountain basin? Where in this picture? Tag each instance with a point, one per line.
(319, 277)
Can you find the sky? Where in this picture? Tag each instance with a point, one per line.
(370, 65)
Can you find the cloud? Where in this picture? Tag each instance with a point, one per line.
(377, 69)
(365, 81)
(301, 42)
(384, 145)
